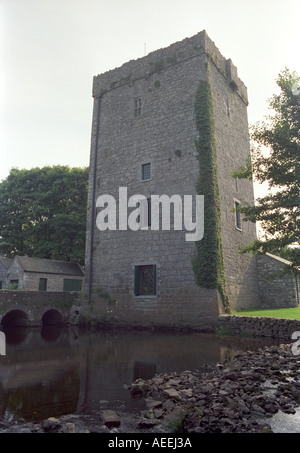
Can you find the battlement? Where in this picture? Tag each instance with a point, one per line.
(156, 61)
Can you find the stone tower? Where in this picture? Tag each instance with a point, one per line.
(143, 139)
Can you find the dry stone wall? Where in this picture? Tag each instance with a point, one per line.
(259, 326)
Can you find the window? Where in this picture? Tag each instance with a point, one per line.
(43, 284)
(238, 220)
(14, 284)
(137, 107)
(227, 107)
(72, 284)
(236, 184)
(145, 280)
(146, 172)
(0, 285)
(149, 211)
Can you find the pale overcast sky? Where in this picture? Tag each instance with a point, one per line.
(51, 49)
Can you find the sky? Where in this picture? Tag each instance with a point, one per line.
(51, 49)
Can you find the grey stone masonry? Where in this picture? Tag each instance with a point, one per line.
(277, 290)
(144, 114)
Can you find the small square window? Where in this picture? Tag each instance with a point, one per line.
(146, 172)
(238, 220)
(145, 280)
(137, 107)
(14, 284)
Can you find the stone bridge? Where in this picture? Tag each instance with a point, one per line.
(38, 308)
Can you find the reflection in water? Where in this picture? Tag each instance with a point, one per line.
(56, 371)
(143, 369)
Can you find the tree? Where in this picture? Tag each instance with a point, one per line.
(43, 213)
(276, 159)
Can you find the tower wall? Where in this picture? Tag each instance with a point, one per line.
(163, 135)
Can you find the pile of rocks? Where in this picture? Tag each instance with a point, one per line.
(237, 398)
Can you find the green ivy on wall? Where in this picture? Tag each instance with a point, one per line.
(208, 264)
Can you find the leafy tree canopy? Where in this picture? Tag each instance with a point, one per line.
(276, 159)
(43, 213)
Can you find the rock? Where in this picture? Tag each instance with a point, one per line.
(110, 418)
(173, 382)
(51, 425)
(158, 413)
(175, 419)
(172, 393)
(139, 388)
(69, 427)
(146, 424)
(258, 409)
(187, 392)
(152, 404)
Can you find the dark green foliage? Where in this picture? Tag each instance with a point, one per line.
(208, 263)
(279, 210)
(43, 213)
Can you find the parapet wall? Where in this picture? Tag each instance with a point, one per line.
(34, 304)
(174, 54)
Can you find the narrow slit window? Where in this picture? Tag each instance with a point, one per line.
(238, 220)
(137, 107)
(149, 211)
(227, 107)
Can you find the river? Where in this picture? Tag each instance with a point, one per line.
(56, 371)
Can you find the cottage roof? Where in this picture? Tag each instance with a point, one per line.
(43, 265)
(5, 261)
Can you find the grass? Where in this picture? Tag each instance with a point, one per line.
(288, 313)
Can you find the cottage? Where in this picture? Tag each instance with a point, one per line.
(39, 274)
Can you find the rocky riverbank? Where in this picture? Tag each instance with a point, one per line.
(239, 398)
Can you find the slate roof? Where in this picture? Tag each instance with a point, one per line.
(5, 261)
(282, 260)
(31, 264)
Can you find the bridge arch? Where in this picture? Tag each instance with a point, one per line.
(15, 318)
(52, 317)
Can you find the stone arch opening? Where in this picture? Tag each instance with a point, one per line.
(52, 318)
(15, 318)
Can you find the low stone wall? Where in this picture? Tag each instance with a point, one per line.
(258, 326)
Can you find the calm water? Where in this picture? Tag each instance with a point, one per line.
(53, 371)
